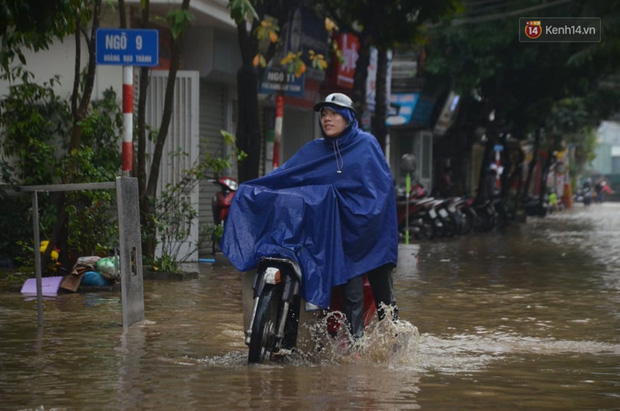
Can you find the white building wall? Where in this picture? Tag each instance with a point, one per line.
(297, 129)
(608, 136)
(60, 60)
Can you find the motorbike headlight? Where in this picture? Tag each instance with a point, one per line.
(232, 184)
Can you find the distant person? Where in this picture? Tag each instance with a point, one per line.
(445, 183)
(586, 190)
(601, 188)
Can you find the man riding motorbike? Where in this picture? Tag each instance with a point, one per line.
(331, 208)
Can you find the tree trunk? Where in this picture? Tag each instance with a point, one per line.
(487, 158)
(544, 172)
(79, 108)
(147, 185)
(367, 38)
(248, 133)
(176, 46)
(530, 169)
(361, 73)
(379, 128)
(248, 130)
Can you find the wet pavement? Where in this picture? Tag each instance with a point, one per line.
(524, 318)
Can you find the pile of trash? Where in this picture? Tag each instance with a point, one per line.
(92, 271)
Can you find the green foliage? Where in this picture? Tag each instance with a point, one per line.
(241, 10)
(11, 278)
(166, 263)
(35, 24)
(215, 232)
(92, 222)
(555, 87)
(16, 223)
(471, 57)
(571, 124)
(390, 23)
(100, 132)
(174, 214)
(568, 116)
(34, 120)
(178, 21)
(35, 126)
(585, 145)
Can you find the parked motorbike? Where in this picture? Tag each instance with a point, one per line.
(220, 204)
(424, 222)
(467, 213)
(422, 218)
(535, 206)
(447, 216)
(275, 314)
(502, 214)
(485, 210)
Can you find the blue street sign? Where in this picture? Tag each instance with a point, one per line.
(498, 147)
(128, 47)
(278, 80)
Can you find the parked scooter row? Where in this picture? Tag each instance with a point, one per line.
(431, 217)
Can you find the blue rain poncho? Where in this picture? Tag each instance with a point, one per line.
(331, 207)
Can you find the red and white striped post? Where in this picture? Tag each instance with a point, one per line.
(127, 154)
(278, 131)
(498, 183)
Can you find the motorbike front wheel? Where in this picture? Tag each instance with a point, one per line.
(264, 328)
(467, 222)
(425, 230)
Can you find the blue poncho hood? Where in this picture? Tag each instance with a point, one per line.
(331, 207)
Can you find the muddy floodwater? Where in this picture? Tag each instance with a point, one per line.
(526, 318)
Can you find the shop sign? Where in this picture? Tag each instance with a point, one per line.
(348, 45)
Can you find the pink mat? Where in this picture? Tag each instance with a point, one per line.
(49, 285)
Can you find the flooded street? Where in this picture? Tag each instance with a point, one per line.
(526, 318)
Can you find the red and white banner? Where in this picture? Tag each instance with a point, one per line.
(348, 45)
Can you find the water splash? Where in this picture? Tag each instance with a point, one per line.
(384, 342)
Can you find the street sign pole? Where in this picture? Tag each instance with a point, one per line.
(127, 157)
(127, 48)
(278, 130)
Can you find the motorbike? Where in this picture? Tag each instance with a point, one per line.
(502, 214)
(220, 204)
(447, 216)
(271, 331)
(466, 212)
(584, 195)
(535, 206)
(423, 218)
(487, 215)
(422, 215)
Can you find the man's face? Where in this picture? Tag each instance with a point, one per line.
(333, 123)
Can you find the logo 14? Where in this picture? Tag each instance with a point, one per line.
(533, 29)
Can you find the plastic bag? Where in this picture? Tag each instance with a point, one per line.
(106, 267)
(93, 279)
